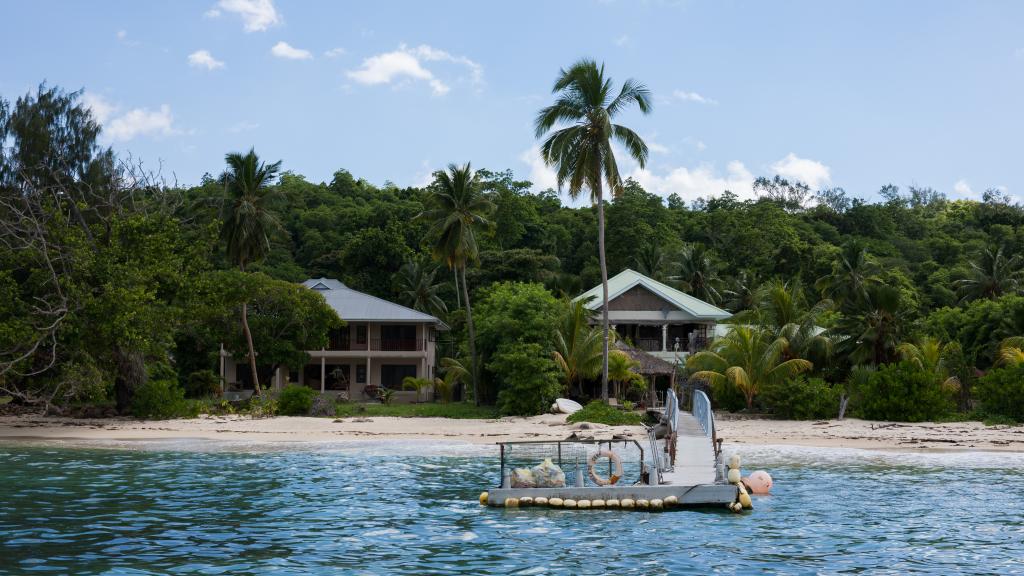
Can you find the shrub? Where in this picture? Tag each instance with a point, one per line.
(905, 393)
(601, 413)
(295, 400)
(528, 377)
(323, 405)
(202, 383)
(802, 398)
(162, 399)
(262, 407)
(1001, 393)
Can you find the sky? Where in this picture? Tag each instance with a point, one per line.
(850, 94)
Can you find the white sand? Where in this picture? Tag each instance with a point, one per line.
(831, 433)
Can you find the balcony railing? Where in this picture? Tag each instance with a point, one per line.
(378, 345)
(649, 344)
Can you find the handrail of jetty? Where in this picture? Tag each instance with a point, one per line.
(701, 409)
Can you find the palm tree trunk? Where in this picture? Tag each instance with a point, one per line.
(604, 291)
(248, 341)
(472, 336)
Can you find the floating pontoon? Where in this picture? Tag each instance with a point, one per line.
(680, 467)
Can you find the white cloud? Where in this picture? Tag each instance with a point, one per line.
(542, 175)
(962, 188)
(284, 50)
(810, 172)
(655, 146)
(622, 40)
(257, 15)
(203, 59)
(702, 181)
(701, 146)
(122, 34)
(692, 97)
(243, 126)
(134, 122)
(335, 52)
(407, 63)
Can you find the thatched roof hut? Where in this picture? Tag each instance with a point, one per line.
(648, 364)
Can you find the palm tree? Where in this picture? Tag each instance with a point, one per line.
(418, 288)
(929, 355)
(458, 209)
(698, 274)
(620, 368)
(581, 150)
(455, 374)
(577, 346)
(852, 272)
(650, 261)
(781, 308)
(871, 326)
(1011, 352)
(743, 294)
(747, 358)
(991, 276)
(248, 222)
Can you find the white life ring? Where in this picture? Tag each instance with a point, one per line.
(616, 474)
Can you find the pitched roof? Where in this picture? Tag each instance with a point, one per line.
(354, 306)
(627, 279)
(647, 364)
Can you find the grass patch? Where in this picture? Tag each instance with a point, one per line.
(600, 413)
(450, 410)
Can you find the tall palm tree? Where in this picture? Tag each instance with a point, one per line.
(416, 281)
(781, 308)
(248, 222)
(743, 294)
(650, 261)
(698, 274)
(872, 326)
(578, 133)
(748, 359)
(577, 346)
(457, 209)
(991, 276)
(852, 272)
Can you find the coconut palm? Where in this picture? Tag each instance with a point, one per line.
(457, 210)
(248, 222)
(992, 275)
(650, 261)
(871, 326)
(852, 272)
(578, 133)
(577, 346)
(933, 357)
(416, 280)
(455, 374)
(781, 308)
(620, 368)
(697, 273)
(748, 359)
(743, 294)
(1011, 352)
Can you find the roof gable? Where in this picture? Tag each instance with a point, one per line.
(628, 279)
(355, 306)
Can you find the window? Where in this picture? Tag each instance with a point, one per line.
(360, 373)
(391, 375)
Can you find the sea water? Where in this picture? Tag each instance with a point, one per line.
(208, 508)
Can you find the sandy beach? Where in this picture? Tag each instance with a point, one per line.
(850, 433)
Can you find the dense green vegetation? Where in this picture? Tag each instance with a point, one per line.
(601, 413)
(106, 271)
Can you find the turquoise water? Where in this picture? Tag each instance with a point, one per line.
(342, 509)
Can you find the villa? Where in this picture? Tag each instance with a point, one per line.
(654, 317)
(380, 345)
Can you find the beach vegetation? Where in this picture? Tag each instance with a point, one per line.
(1000, 393)
(598, 412)
(295, 400)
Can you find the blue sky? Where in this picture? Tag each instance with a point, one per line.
(851, 94)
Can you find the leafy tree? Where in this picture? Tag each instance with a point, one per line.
(747, 359)
(581, 152)
(1011, 352)
(248, 222)
(1001, 392)
(529, 378)
(934, 358)
(853, 271)
(458, 209)
(871, 326)
(903, 392)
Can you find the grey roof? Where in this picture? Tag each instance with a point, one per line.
(629, 278)
(355, 306)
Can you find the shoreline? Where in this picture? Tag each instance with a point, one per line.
(736, 433)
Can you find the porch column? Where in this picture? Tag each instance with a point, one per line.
(664, 337)
(222, 363)
(369, 365)
(323, 369)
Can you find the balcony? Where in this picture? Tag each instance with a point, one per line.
(338, 344)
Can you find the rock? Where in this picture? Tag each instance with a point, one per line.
(584, 426)
(323, 405)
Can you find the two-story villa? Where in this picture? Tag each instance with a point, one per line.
(381, 344)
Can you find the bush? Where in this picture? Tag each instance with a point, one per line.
(162, 399)
(295, 400)
(528, 377)
(601, 413)
(202, 383)
(323, 405)
(1001, 394)
(802, 398)
(262, 407)
(904, 393)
